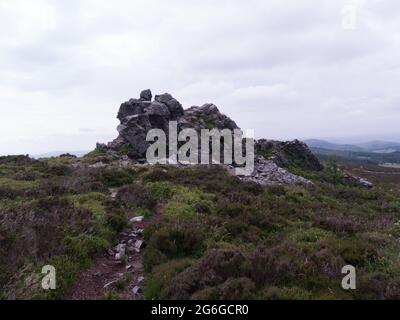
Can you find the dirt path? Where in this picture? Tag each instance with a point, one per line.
(117, 273)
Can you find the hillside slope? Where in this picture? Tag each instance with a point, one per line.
(217, 236)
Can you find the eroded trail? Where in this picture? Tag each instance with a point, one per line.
(118, 273)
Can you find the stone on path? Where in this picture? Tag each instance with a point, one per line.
(137, 219)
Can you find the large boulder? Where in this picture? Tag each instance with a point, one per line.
(138, 116)
(146, 95)
(173, 105)
(131, 108)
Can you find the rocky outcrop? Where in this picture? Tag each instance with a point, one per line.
(206, 117)
(289, 154)
(138, 116)
(267, 172)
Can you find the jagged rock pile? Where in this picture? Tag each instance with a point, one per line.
(289, 154)
(266, 172)
(137, 116)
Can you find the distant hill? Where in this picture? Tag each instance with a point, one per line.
(371, 146)
(380, 146)
(315, 143)
(357, 157)
(78, 153)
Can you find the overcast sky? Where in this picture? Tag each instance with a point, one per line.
(287, 69)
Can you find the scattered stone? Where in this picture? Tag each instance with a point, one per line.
(67, 155)
(121, 249)
(138, 116)
(158, 109)
(365, 183)
(119, 256)
(131, 249)
(137, 219)
(109, 284)
(135, 289)
(288, 153)
(266, 172)
(113, 193)
(137, 266)
(138, 244)
(140, 279)
(98, 165)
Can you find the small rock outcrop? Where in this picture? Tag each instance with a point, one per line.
(357, 182)
(267, 172)
(289, 154)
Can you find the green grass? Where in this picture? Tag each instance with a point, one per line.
(163, 274)
(94, 201)
(18, 185)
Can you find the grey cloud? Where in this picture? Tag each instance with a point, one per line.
(286, 69)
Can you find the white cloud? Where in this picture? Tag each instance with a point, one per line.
(286, 69)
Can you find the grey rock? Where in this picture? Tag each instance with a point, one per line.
(138, 244)
(113, 193)
(366, 183)
(137, 219)
(267, 172)
(137, 266)
(109, 284)
(121, 251)
(131, 249)
(146, 95)
(136, 290)
(289, 153)
(357, 182)
(158, 109)
(98, 165)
